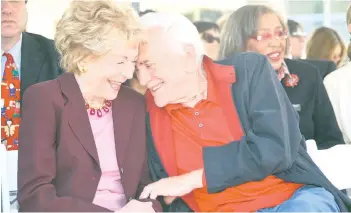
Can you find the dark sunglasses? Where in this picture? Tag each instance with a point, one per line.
(209, 38)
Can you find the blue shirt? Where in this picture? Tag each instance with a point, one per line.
(15, 51)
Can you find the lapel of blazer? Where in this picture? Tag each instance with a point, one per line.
(77, 115)
(161, 130)
(223, 85)
(32, 58)
(122, 123)
(292, 70)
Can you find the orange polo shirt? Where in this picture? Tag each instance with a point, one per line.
(206, 125)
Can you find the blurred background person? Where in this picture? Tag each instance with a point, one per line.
(260, 29)
(297, 39)
(325, 43)
(296, 47)
(83, 140)
(338, 85)
(222, 21)
(141, 13)
(209, 33)
(27, 59)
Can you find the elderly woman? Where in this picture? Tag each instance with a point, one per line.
(83, 134)
(259, 28)
(325, 43)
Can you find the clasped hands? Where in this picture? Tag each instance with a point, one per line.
(173, 187)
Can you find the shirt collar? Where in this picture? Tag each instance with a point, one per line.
(15, 51)
(283, 71)
(213, 76)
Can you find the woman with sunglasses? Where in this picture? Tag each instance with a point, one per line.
(209, 33)
(260, 29)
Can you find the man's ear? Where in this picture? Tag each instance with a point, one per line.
(349, 28)
(189, 50)
(190, 57)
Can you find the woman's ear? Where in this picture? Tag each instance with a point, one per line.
(84, 63)
(249, 45)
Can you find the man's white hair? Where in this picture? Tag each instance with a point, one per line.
(177, 29)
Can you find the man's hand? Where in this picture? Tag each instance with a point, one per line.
(176, 186)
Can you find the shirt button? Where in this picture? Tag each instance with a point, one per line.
(201, 125)
(197, 113)
(121, 170)
(93, 178)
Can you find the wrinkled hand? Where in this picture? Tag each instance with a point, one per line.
(176, 186)
(137, 206)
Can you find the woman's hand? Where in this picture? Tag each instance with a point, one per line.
(137, 206)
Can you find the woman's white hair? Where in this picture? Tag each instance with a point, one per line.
(177, 29)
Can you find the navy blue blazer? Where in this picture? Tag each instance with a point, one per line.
(325, 67)
(272, 145)
(310, 99)
(39, 60)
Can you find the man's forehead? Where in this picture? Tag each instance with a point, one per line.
(155, 36)
(154, 46)
(150, 51)
(156, 31)
(143, 52)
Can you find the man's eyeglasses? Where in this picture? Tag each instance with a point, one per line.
(210, 38)
(280, 35)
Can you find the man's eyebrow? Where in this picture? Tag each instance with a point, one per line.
(144, 62)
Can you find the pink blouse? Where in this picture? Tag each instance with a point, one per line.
(110, 193)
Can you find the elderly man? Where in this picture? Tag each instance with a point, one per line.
(223, 136)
